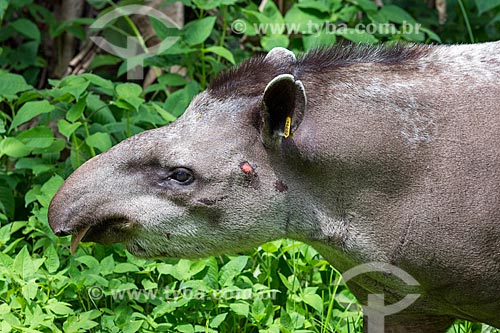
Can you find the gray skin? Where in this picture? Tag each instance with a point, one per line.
(394, 162)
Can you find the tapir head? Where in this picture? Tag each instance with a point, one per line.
(200, 186)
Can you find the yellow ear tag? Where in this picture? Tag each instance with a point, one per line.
(288, 124)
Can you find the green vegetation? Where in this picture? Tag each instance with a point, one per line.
(49, 127)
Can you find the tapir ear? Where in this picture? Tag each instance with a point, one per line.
(283, 105)
(280, 54)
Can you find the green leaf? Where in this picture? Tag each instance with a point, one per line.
(270, 42)
(396, 14)
(89, 261)
(7, 203)
(196, 32)
(49, 189)
(30, 110)
(129, 93)
(99, 140)
(107, 265)
(132, 326)
(148, 284)
(59, 308)
(317, 40)
(223, 52)
(178, 101)
(234, 267)
(271, 14)
(51, 259)
(217, 320)
(51, 186)
(4, 309)
(380, 21)
(126, 286)
(13, 147)
(346, 14)
(299, 21)
(83, 321)
(26, 28)
(104, 60)
(128, 90)
(125, 267)
(76, 110)
(185, 328)
(37, 137)
(31, 195)
(163, 268)
(258, 309)
(37, 165)
(208, 4)
(366, 5)
(291, 283)
(29, 290)
(74, 85)
(432, 35)
(486, 5)
(182, 270)
(321, 6)
(11, 84)
(315, 301)
(75, 324)
(98, 81)
(101, 112)
(412, 32)
(197, 266)
(357, 36)
(56, 146)
(241, 309)
(164, 114)
(164, 30)
(271, 247)
(286, 321)
(4, 4)
(23, 264)
(170, 79)
(66, 128)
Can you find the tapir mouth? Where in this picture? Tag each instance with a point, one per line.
(106, 232)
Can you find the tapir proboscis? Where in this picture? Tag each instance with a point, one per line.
(387, 154)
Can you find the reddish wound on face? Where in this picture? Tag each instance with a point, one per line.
(246, 167)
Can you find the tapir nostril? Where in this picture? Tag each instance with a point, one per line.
(61, 233)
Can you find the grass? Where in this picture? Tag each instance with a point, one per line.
(283, 286)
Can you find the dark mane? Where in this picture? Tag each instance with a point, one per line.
(251, 77)
(247, 78)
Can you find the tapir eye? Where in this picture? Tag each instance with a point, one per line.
(182, 176)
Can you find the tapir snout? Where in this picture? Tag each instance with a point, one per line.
(87, 208)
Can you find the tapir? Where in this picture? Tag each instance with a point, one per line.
(370, 154)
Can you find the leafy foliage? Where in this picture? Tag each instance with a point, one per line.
(47, 132)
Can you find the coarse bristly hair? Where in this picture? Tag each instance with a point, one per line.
(251, 76)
